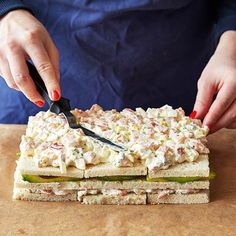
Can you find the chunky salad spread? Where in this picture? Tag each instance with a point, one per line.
(158, 138)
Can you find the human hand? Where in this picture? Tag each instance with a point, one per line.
(218, 77)
(23, 37)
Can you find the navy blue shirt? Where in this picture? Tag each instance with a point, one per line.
(125, 53)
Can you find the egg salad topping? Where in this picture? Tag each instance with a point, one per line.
(157, 138)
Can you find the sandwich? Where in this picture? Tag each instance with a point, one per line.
(164, 159)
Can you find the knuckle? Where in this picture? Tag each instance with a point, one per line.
(31, 36)
(44, 66)
(11, 44)
(21, 79)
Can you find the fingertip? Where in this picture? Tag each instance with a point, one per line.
(40, 103)
(193, 114)
(55, 95)
(200, 108)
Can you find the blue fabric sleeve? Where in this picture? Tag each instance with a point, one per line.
(226, 17)
(9, 5)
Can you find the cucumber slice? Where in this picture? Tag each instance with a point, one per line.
(47, 179)
(119, 178)
(174, 179)
(50, 179)
(182, 179)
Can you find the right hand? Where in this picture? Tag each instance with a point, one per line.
(23, 37)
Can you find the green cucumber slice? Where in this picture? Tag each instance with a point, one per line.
(119, 178)
(50, 179)
(182, 179)
(47, 179)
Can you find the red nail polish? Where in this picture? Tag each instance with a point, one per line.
(193, 114)
(39, 103)
(55, 95)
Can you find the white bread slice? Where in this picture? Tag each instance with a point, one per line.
(197, 168)
(28, 166)
(201, 197)
(138, 184)
(112, 185)
(24, 194)
(129, 199)
(107, 169)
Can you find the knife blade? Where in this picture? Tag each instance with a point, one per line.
(63, 106)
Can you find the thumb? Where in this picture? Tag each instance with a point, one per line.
(206, 91)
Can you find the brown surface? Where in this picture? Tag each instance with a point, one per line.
(38, 218)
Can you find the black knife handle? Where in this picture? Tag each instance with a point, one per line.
(57, 107)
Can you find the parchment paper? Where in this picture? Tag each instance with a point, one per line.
(40, 218)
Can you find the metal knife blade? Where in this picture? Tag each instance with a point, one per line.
(63, 106)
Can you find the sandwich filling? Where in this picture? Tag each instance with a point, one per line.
(172, 138)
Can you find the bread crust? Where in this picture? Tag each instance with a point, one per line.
(129, 199)
(192, 198)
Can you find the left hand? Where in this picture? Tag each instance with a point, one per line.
(219, 77)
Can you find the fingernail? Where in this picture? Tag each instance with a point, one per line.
(193, 114)
(39, 103)
(55, 95)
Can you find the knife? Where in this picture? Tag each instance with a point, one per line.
(63, 106)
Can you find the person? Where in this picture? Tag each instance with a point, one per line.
(120, 54)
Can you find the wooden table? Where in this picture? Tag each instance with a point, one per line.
(40, 218)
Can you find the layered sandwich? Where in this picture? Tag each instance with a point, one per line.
(164, 158)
